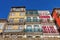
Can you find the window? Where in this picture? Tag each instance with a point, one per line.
(22, 9)
(13, 9)
(9, 27)
(29, 12)
(36, 28)
(20, 27)
(11, 20)
(48, 20)
(21, 20)
(40, 30)
(35, 19)
(12, 14)
(29, 28)
(22, 13)
(35, 12)
(17, 9)
(1, 25)
(28, 19)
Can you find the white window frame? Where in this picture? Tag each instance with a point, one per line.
(12, 14)
(22, 13)
(21, 19)
(1, 25)
(22, 9)
(20, 27)
(11, 19)
(10, 27)
(14, 9)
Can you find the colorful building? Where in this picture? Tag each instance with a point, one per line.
(23, 24)
(56, 17)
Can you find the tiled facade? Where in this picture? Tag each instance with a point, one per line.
(25, 24)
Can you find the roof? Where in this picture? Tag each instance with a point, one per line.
(3, 20)
(18, 7)
(54, 10)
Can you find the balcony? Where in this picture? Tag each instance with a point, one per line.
(33, 32)
(18, 9)
(12, 30)
(32, 12)
(37, 21)
(49, 30)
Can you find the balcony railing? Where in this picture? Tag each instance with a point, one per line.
(12, 30)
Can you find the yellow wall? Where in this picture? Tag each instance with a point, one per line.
(16, 20)
(14, 27)
(16, 15)
(1, 31)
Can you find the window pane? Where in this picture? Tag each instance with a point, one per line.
(27, 12)
(29, 28)
(35, 12)
(20, 27)
(12, 14)
(40, 29)
(17, 9)
(9, 27)
(22, 9)
(22, 13)
(31, 12)
(28, 19)
(34, 19)
(1, 25)
(36, 28)
(13, 9)
(21, 20)
(11, 20)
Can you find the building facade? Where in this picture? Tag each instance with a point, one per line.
(23, 24)
(56, 17)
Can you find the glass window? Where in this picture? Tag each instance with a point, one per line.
(29, 12)
(11, 20)
(12, 14)
(20, 27)
(21, 20)
(36, 28)
(35, 19)
(22, 13)
(40, 30)
(13, 9)
(22, 9)
(17, 9)
(28, 19)
(35, 12)
(1, 26)
(29, 28)
(9, 27)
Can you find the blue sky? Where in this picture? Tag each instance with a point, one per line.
(5, 5)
